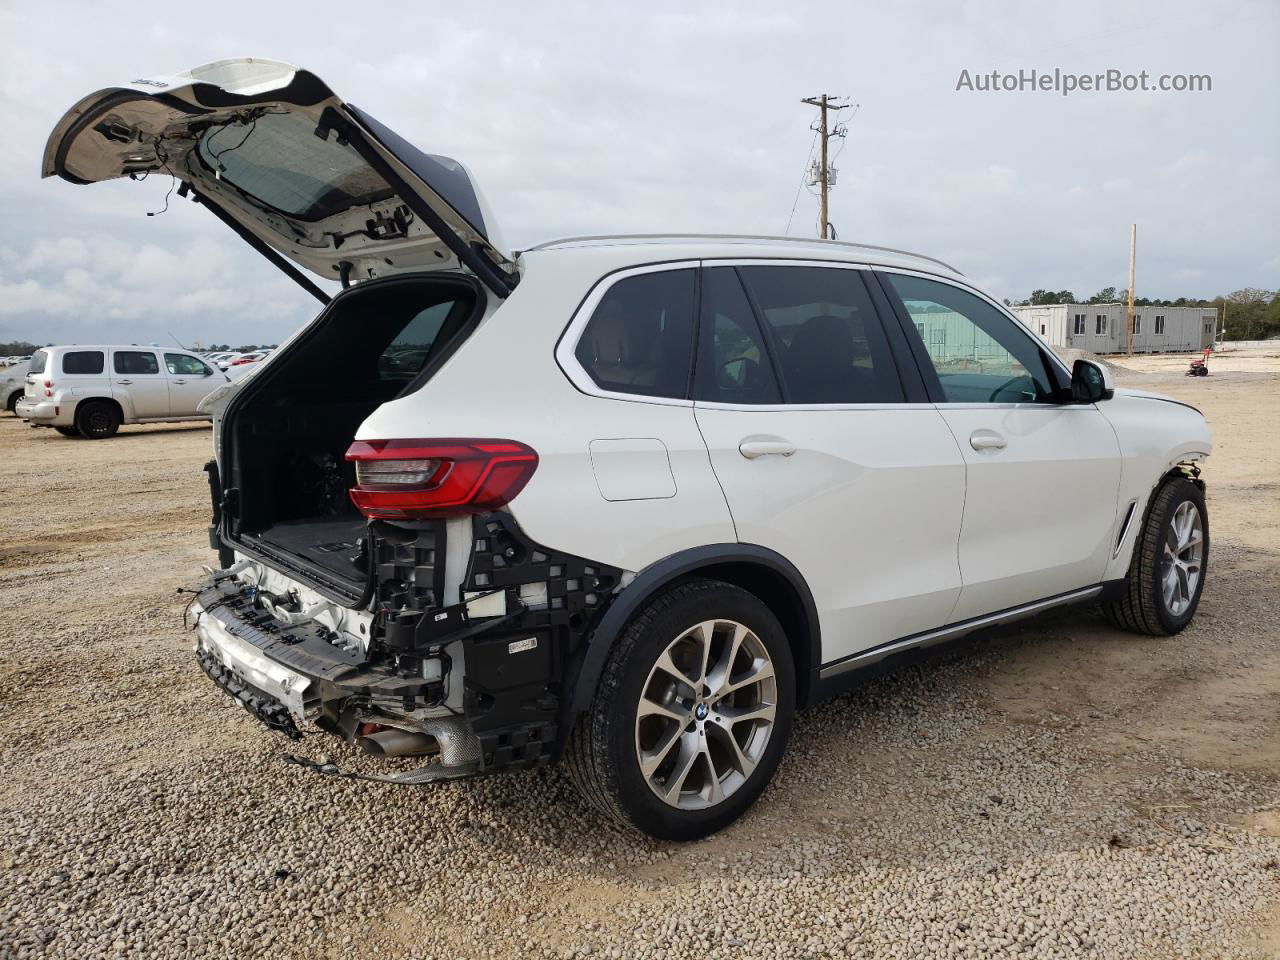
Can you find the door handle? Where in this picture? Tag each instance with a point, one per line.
(987, 440)
(124, 381)
(766, 448)
(179, 381)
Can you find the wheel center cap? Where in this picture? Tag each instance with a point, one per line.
(700, 711)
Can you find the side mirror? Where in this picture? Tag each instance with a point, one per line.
(1090, 382)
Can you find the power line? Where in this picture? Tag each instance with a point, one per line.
(804, 175)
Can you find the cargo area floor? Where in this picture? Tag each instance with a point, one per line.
(328, 543)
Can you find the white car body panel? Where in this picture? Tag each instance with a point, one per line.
(1039, 513)
(867, 508)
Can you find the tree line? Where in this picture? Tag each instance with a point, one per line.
(1250, 313)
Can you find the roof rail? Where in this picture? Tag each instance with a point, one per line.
(736, 236)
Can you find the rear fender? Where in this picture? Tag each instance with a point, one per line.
(709, 561)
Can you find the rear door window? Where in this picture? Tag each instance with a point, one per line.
(826, 335)
(38, 360)
(181, 364)
(134, 362)
(83, 362)
(734, 364)
(640, 337)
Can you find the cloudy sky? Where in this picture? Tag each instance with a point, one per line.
(602, 117)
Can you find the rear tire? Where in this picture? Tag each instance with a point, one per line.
(679, 742)
(1170, 560)
(97, 420)
(12, 403)
(68, 431)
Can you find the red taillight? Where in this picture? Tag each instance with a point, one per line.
(236, 363)
(416, 479)
(48, 388)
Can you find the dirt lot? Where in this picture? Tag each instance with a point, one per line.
(1054, 789)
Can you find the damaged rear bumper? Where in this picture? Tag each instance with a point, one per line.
(287, 675)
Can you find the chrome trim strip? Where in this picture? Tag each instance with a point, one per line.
(955, 630)
(1124, 531)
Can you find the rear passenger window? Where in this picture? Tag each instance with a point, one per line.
(734, 364)
(181, 364)
(640, 337)
(134, 362)
(826, 334)
(82, 361)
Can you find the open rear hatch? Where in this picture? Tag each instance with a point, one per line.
(311, 181)
(322, 189)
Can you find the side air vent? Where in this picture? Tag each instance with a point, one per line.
(1124, 527)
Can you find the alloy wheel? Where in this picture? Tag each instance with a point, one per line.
(1182, 559)
(706, 714)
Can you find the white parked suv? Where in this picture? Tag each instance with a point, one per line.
(628, 502)
(89, 391)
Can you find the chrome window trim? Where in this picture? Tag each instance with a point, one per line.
(803, 407)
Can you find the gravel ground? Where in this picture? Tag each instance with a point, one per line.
(1054, 789)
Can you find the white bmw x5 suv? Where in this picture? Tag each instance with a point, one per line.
(628, 502)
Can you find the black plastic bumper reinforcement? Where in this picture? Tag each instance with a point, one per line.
(262, 705)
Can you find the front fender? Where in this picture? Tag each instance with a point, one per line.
(1155, 434)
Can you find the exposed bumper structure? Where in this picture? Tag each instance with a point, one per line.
(290, 674)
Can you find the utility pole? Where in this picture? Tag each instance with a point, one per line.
(824, 176)
(1133, 262)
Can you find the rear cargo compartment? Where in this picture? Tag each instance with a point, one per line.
(285, 435)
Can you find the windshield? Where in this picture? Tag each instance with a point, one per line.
(278, 159)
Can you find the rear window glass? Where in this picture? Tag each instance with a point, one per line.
(38, 360)
(134, 362)
(405, 356)
(279, 160)
(640, 337)
(83, 361)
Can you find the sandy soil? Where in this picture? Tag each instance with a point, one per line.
(1058, 740)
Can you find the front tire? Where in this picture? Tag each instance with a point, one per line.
(1170, 559)
(97, 420)
(692, 713)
